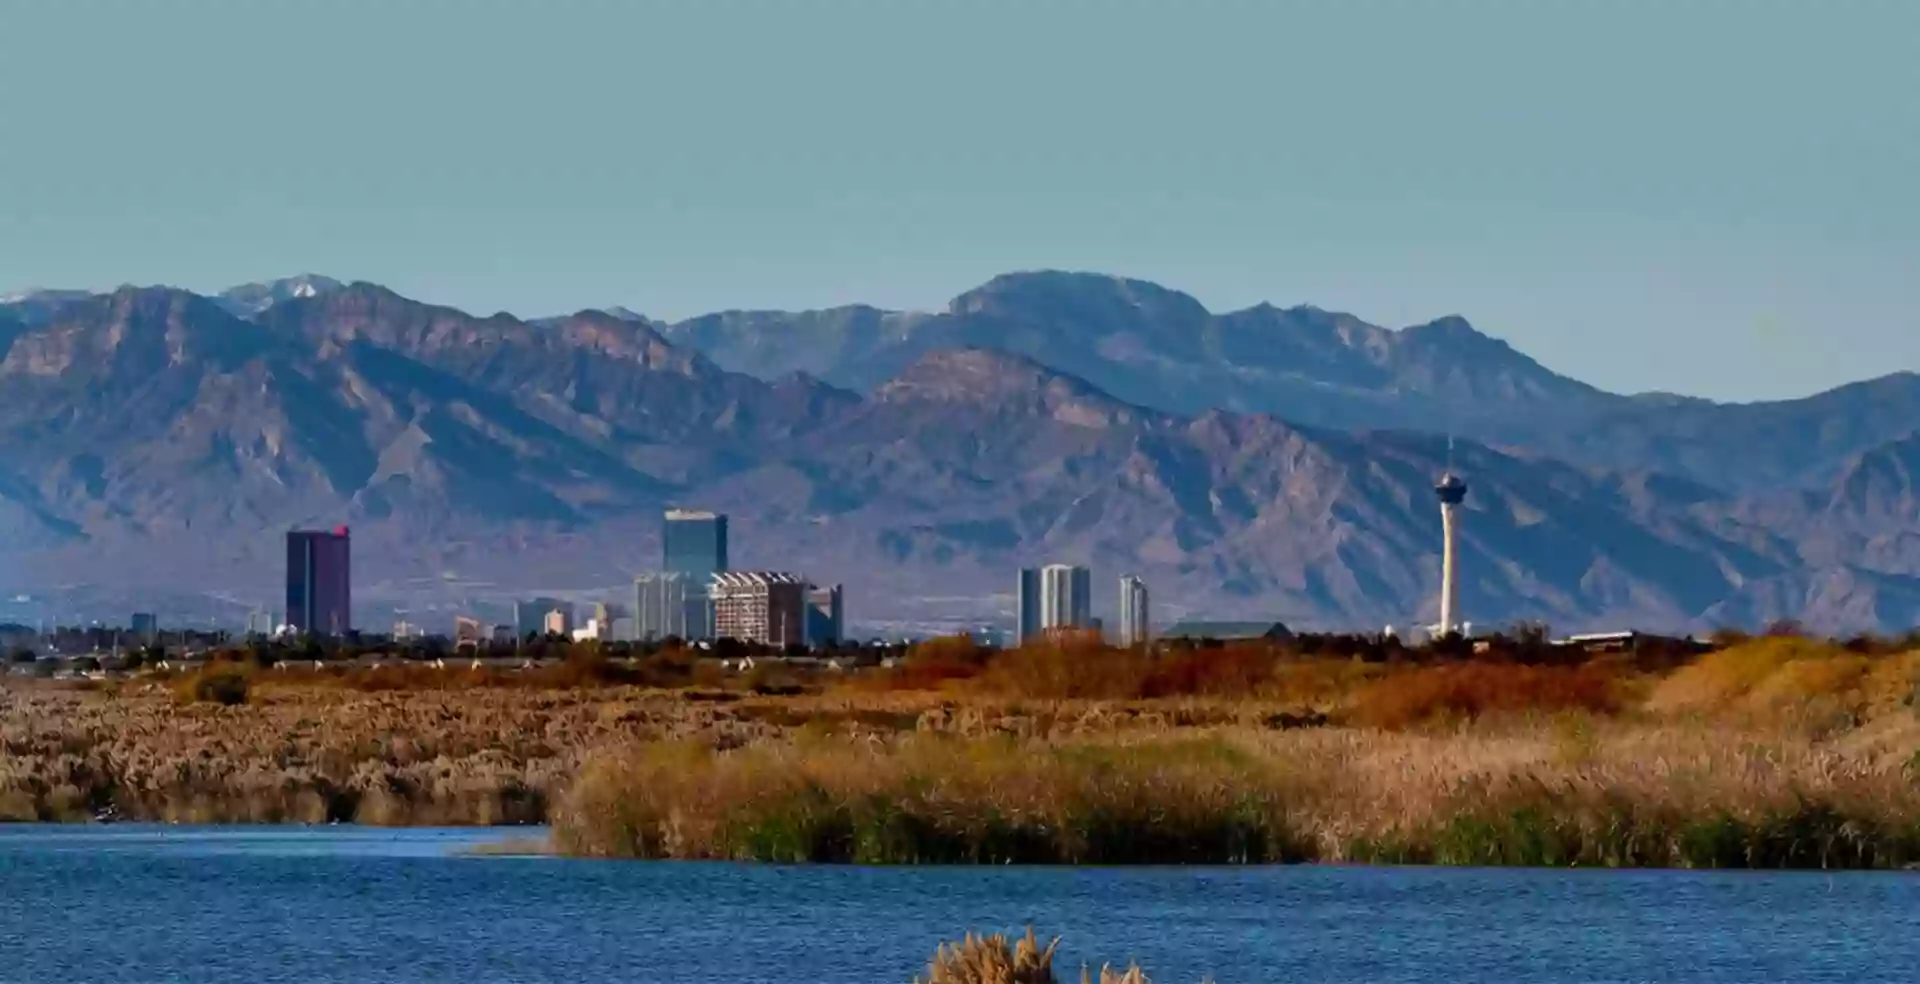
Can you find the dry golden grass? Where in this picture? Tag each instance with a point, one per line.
(1771, 752)
(995, 960)
(1572, 790)
(298, 753)
(1791, 682)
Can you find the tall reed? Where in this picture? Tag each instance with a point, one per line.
(1617, 795)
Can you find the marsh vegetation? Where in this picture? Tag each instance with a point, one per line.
(1768, 752)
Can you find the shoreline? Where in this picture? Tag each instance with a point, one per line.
(527, 848)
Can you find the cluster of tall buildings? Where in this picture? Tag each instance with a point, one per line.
(1058, 599)
(697, 595)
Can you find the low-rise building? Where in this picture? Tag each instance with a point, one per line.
(1199, 631)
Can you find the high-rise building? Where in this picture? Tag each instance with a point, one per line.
(320, 582)
(1026, 607)
(145, 627)
(766, 607)
(826, 616)
(622, 629)
(671, 606)
(1135, 627)
(1066, 597)
(530, 616)
(694, 543)
(470, 632)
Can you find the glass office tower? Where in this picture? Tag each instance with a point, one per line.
(694, 543)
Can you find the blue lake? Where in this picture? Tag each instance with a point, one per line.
(213, 906)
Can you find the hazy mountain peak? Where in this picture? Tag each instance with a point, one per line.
(626, 314)
(36, 306)
(248, 300)
(1062, 294)
(41, 294)
(1002, 381)
(1448, 324)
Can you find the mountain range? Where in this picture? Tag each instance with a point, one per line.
(1271, 462)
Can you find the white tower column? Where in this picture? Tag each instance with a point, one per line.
(1452, 491)
(1449, 582)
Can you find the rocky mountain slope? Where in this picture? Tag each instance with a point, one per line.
(1161, 348)
(153, 438)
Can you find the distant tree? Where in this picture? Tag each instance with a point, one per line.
(1531, 634)
(20, 654)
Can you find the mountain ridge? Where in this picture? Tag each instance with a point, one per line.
(152, 428)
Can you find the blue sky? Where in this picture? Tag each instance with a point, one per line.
(1706, 196)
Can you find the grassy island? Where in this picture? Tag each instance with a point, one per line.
(1776, 751)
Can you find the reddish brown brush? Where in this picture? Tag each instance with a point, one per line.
(1471, 690)
(1230, 671)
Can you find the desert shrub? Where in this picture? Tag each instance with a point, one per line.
(227, 684)
(1067, 670)
(773, 678)
(1230, 671)
(930, 665)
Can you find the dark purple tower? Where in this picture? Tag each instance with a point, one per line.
(320, 582)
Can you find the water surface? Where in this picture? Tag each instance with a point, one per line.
(244, 905)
